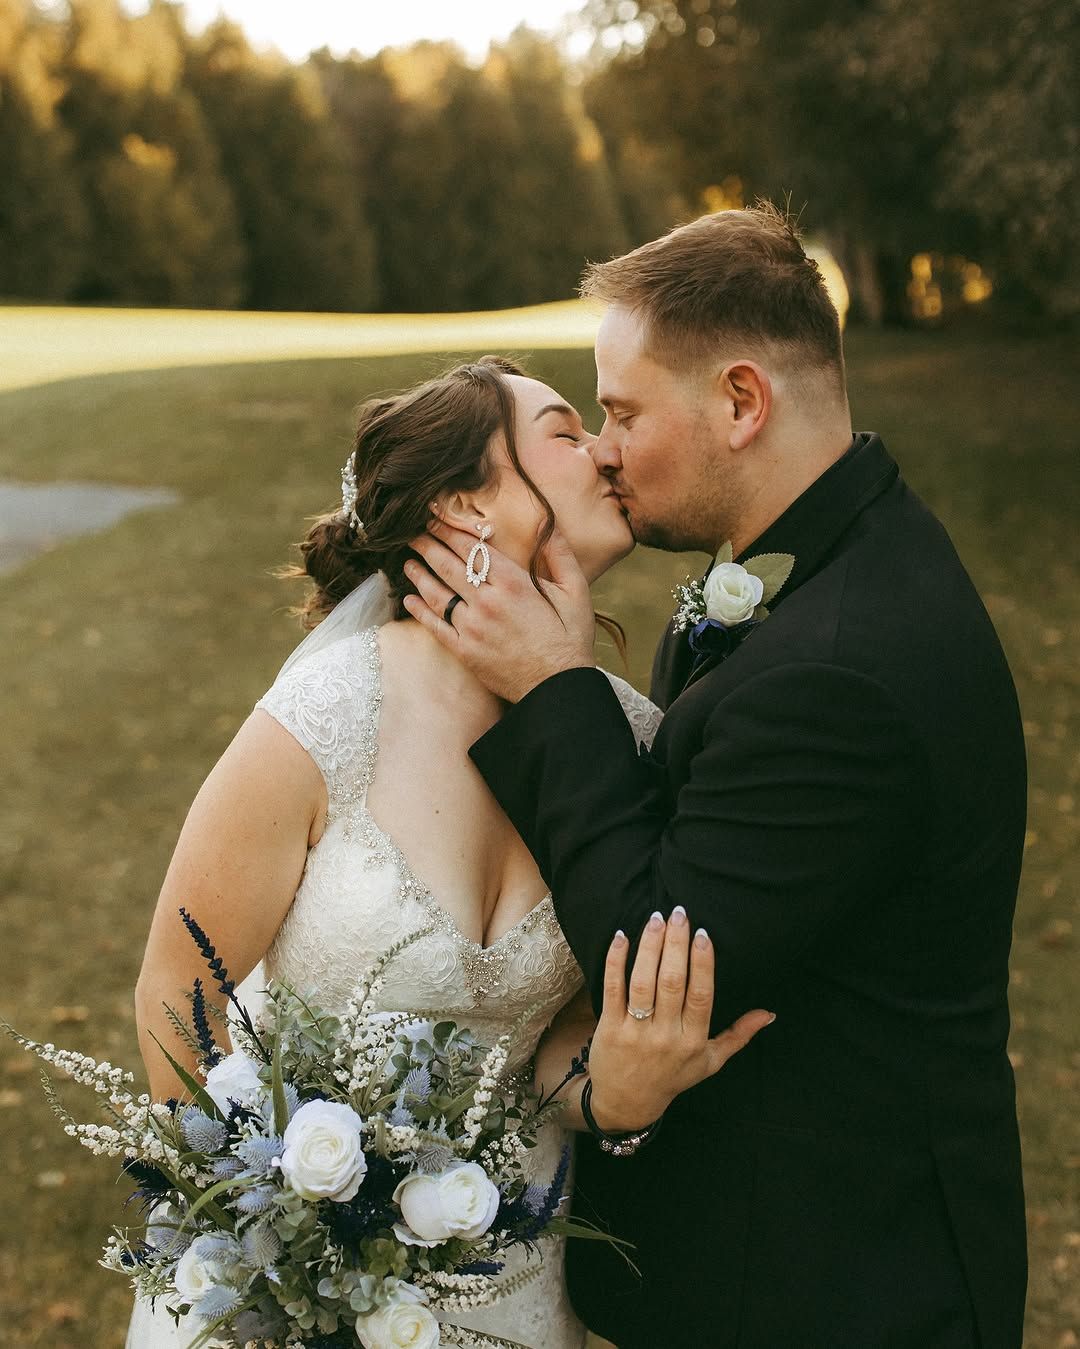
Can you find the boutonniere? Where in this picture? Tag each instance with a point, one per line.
(724, 608)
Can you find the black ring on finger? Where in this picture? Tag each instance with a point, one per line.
(446, 614)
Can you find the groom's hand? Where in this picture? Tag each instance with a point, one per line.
(509, 634)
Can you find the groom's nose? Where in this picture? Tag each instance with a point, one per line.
(605, 449)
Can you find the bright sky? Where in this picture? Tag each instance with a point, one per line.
(296, 27)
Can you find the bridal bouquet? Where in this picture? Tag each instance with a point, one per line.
(333, 1181)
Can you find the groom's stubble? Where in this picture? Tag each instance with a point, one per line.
(705, 512)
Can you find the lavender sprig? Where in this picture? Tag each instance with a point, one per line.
(205, 1036)
(551, 1201)
(221, 977)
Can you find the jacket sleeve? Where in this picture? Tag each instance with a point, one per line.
(806, 790)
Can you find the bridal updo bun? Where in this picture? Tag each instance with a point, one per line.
(411, 450)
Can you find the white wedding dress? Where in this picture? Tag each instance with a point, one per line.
(358, 896)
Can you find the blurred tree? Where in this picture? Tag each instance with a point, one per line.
(309, 245)
(163, 227)
(485, 188)
(559, 203)
(42, 220)
(998, 98)
(907, 127)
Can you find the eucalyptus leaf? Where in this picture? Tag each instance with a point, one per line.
(772, 570)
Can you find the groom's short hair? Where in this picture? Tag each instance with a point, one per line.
(724, 280)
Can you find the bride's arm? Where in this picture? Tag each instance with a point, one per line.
(236, 869)
(638, 1067)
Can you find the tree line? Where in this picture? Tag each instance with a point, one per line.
(140, 163)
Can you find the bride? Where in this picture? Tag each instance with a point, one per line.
(346, 812)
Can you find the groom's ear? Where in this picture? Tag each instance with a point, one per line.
(746, 391)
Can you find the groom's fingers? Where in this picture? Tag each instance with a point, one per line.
(458, 539)
(433, 592)
(443, 561)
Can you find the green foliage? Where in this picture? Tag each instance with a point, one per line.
(308, 243)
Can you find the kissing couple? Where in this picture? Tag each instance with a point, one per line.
(776, 896)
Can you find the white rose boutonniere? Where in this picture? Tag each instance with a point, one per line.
(721, 610)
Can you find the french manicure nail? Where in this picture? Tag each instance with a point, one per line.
(620, 938)
(678, 915)
(701, 939)
(656, 922)
(772, 1018)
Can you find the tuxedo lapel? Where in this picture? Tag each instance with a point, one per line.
(813, 524)
(671, 665)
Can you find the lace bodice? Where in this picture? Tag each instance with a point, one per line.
(358, 894)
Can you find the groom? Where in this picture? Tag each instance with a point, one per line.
(837, 794)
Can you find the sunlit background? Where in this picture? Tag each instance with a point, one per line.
(222, 226)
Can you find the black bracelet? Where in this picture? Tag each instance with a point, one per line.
(616, 1145)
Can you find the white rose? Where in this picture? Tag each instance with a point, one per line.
(323, 1158)
(195, 1273)
(403, 1323)
(235, 1078)
(731, 593)
(458, 1202)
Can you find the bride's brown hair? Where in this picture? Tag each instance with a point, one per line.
(410, 450)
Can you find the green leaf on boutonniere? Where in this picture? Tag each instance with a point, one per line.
(725, 554)
(772, 570)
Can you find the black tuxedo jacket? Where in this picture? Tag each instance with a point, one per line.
(841, 803)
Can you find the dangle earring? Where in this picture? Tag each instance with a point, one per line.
(480, 549)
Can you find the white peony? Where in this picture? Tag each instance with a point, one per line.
(458, 1202)
(196, 1273)
(403, 1323)
(235, 1078)
(323, 1158)
(731, 594)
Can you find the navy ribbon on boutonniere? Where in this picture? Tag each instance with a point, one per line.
(710, 639)
(720, 612)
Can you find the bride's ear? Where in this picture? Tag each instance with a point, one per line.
(463, 510)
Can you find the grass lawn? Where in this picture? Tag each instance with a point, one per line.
(130, 657)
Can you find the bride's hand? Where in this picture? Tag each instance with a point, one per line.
(639, 1066)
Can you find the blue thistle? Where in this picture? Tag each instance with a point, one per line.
(417, 1084)
(256, 1200)
(401, 1117)
(201, 1133)
(258, 1153)
(261, 1245)
(201, 1025)
(228, 1168)
(219, 1301)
